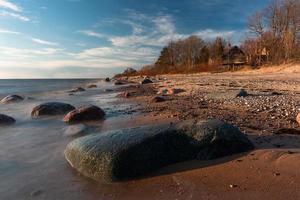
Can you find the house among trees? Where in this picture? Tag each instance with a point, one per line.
(234, 57)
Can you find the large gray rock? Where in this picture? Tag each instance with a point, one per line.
(6, 120)
(12, 99)
(84, 113)
(129, 153)
(51, 108)
(216, 138)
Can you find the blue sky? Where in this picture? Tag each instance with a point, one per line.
(92, 38)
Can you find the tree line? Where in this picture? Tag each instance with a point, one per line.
(274, 39)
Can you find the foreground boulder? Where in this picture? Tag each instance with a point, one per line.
(216, 138)
(84, 113)
(129, 153)
(6, 120)
(51, 108)
(12, 99)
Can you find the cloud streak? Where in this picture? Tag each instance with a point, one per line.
(44, 42)
(9, 5)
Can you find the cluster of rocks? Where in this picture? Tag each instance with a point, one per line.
(130, 153)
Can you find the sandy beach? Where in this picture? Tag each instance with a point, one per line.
(33, 164)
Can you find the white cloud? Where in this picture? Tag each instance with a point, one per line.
(9, 5)
(92, 33)
(14, 15)
(44, 42)
(5, 31)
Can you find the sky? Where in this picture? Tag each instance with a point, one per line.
(97, 38)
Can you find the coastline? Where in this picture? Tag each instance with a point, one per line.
(268, 172)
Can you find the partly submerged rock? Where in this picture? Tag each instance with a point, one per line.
(92, 86)
(146, 81)
(51, 108)
(76, 130)
(216, 138)
(78, 89)
(107, 79)
(11, 99)
(84, 113)
(6, 120)
(129, 153)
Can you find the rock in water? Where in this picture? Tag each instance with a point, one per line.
(216, 138)
(79, 89)
(92, 86)
(298, 118)
(12, 99)
(6, 120)
(51, 108)
(84, 113)
(242, 93)
(107, 79)
(146, 81)
(129, 153)
(118, 82)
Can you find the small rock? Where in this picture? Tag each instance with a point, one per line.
(79, 89)
(51, 108)
(146, 81)
(118, 82)
(36, 193)
(158, 99)
(276, 93)
(124, 95)
(107, 79)
(84, 113)
(92, 86)
(298, 118)
(232, 186)
(6, 120)
(108, 90)
(12, 99)
(242, 93)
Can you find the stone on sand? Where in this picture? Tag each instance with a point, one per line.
(6, 120)
(51, 108)
(12, 99)
(146, 81)
(242, 93)
(158, 99)
(129, 153)
(84, 113)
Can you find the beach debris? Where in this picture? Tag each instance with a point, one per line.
(298, 118)
(6, 120)
(158, 99)
(51, 108)
(76, 130)
(84, 113)
(217, 138)
(129, 153)
(92, 86)
(242, 93)
(78, 89)
(107, 79)
(146, 81)
(11, 99)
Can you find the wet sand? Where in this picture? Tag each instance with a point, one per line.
(32, 164)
